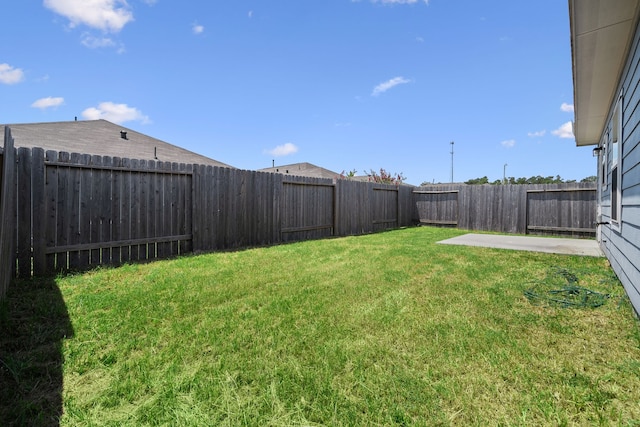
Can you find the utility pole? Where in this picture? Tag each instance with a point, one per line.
(504, 174)
(452, 162)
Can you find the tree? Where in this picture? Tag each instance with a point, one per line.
(384, 177)
(478, 181)
(348, 175)
(538, 179)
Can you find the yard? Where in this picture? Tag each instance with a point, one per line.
(382, 329)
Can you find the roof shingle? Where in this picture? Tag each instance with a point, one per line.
(101, 137)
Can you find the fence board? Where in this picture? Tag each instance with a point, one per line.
(64, 202)
(116, 211)
(74, 212)
(187, 244)
(7, 212)
(135, 209)
(51, 191)
(25, 211)
(39, 215)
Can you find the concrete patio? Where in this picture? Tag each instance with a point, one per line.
(584, 247)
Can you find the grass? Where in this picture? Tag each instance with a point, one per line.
(383, 329)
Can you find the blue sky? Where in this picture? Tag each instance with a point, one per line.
(341, 84)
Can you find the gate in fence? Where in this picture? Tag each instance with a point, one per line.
(76, 211)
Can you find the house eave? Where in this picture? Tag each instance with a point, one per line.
(601, 35)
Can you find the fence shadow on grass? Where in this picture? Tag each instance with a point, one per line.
(33, 324)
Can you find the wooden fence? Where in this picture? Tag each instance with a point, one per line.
(7, 213)
(565, 209)
(75, 212)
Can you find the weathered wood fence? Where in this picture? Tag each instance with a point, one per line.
(75, 212)
(7, 212)
(566, 209)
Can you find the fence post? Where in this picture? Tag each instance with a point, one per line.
(7, 213)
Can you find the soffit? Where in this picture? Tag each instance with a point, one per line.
(601, 34)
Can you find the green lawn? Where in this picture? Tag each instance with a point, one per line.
(383, 329)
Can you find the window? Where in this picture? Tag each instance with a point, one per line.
(615, 144)
(602, 157)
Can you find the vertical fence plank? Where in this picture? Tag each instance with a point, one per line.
(145, 209)
(94, 209)
(187, 181)
(64, 200)
(74, 213)
(51, 193)
(116, 211)
(135, 209)
(164, 248)
(126, 210)
(106, 213)
(197, 196)
(276, 217)
(25, 211)
(39, 214)
(7, 212)
(177, 214)
(84, 216)
(154, 212)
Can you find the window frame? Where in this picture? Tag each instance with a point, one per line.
(615, 148)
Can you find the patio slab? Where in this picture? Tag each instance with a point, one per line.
(553, 245)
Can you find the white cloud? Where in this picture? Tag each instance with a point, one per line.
(116, 113)
(509, 143)
(96, 42)
(567, 108)
(105, 15)
(564, 131)
(400, 1)
(250, 14)
(10, 75)
(537, 134)
(283, 150)
(385, 86)
(48, 102)
(197, 28)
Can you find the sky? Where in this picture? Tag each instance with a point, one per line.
(343, 84)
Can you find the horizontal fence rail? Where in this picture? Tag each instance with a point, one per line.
(74, 212)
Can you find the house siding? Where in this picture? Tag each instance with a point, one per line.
(621, 244)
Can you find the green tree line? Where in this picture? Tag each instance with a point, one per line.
(532, 180)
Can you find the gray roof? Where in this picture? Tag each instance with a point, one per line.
(302, 169)
(101, 137)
